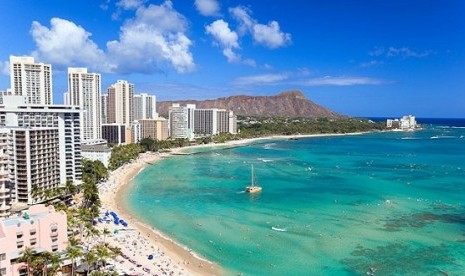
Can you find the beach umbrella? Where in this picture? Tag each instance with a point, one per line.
(150, 257)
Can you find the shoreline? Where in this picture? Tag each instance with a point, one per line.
(184, 259)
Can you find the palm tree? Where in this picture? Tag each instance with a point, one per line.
(73, 252)
(91, 258)
(55, 264)
(103, 253)
(27, 255)
(43, 260)
(105, 232)
(36, 192)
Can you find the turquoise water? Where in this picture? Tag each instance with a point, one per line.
(391, 201)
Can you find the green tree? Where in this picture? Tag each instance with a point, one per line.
(28, 255)
(73, 253)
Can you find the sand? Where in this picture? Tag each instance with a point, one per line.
(172, 258)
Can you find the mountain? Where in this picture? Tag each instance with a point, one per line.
(287, 104)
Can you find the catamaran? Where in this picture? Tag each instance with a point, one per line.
(253, 188)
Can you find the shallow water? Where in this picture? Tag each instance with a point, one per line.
(333, 205)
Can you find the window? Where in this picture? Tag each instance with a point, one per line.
(54, 239)
(19, 234)
(32, 231)
(19, 244)
(3, 271)
(33, 241)
(2, 256)
(54, 248)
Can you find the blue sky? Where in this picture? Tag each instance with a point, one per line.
(361, 58)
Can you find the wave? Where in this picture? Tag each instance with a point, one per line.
(279, 229)
(240, 192)
(409, 138)
(451, 127)
(265, 160)
(443, 137)
(269, 145)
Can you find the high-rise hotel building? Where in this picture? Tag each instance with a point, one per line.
(120, 103)
(104, 109)
(144, 106)
(84, 91)
(31, 80)
(178, 121)
(5, 161)
(189, 122)
(45, 148)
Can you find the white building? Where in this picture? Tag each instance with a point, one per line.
(178, 122)
(5, 182)
(145, 106)
(84, 91)
(32, 80)
(99, 152)
(46, 146)
(104, 108)
(189, 122)
(405, 123)
(120, 103)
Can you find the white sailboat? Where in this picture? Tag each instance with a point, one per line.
(253, 188)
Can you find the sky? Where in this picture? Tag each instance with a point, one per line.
(367, 58)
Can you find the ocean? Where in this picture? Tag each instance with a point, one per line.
(391, 202)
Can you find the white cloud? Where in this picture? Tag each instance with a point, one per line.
(269, 35)
(130, 4)
(261, 79)
(5, 68)
(371, 63)
(65, 44)
(224, 37)
(154, 36)
(342, 81)
(404, 52)
(207, 7)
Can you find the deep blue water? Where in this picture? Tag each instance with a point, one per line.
(393, 201)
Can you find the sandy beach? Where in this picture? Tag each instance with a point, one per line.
(139, 240)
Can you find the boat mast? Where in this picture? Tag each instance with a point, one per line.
(252, 176)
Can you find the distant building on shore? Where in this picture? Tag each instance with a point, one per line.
(116, 134)
(405, 123)
(190, 122)
(150, 128)
(144, 106)
(40, 228)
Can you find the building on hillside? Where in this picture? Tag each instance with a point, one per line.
(46, 149)
(116, 134)
(144, 106)
(31, 80)
(40, 228)
(5, 182)
(84, 91)
(104, 109)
